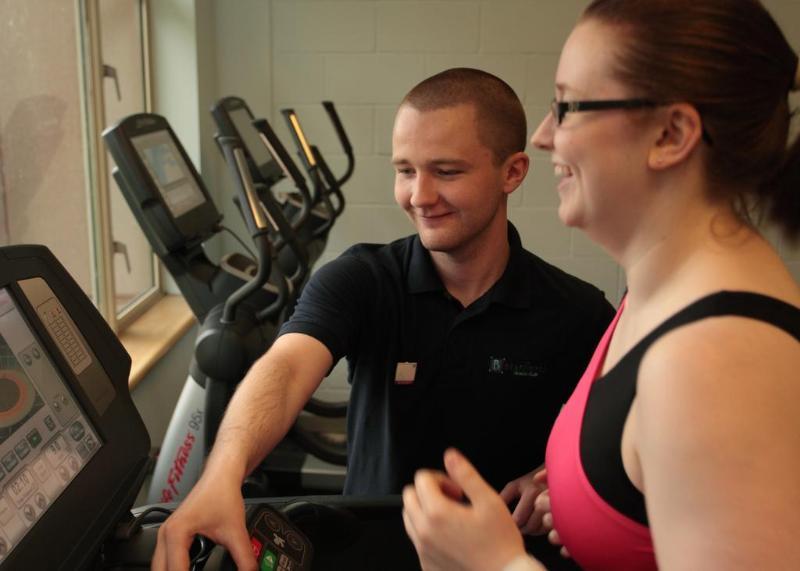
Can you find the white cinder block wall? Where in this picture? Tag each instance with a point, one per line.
(366, 54)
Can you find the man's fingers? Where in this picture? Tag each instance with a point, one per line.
(237, 542)
(510, 492)
(524, 509)
(435, 490)
(540, 477)
(465, 475)
(176, 545)
(411, 512)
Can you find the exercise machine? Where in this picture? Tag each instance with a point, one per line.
(176, 213)
(73, 453)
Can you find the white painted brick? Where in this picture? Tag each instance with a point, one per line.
(372, 182)
(509, 68)
(539, 189)
(298, 78)
(530, 26)
(357, 122)
(379, 78)
(384, 123)
(428, 26)
(380, 224)
(787, 15)
(794, 269)
(535, 115)
(584, 247)
(542, 232)
(324, 27)
(540, 80)
(603, 274)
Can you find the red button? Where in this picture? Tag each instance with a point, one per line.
(256, 545)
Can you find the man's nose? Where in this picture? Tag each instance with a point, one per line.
(423, 191)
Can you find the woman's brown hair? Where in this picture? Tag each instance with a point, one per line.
(732, 62)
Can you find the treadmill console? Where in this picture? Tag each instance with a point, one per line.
(72, 446)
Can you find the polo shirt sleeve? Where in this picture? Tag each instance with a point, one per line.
(333, 305)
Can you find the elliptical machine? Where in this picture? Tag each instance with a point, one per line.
(263, 149)
(177, 215)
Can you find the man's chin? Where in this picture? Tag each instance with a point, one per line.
(436, 243)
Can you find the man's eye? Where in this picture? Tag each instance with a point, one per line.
(405, 171)
(442, 172)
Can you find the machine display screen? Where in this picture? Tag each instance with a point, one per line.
(170, 173)
(46, 438)
(249, 135)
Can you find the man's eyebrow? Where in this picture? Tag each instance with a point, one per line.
(433, 162)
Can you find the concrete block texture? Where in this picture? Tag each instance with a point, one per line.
(428, 26)
(372, 78)
(324, 26)
(528, 26)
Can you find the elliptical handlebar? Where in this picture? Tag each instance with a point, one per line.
(287, 165)
(309, 159)
(330, 180)
(258, 224)
(343, 139)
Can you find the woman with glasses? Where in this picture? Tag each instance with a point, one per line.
(680, 447)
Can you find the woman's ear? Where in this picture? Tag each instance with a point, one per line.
(681, 132)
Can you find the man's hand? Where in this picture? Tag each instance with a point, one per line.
(526, 489)
(452, 535)
(215, 509)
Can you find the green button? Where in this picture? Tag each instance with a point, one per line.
(268, 561)
(34, 438)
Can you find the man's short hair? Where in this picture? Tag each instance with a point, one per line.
(501, 119)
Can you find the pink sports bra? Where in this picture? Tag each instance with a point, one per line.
(600, 516)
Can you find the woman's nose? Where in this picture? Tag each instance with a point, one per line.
(542, 137)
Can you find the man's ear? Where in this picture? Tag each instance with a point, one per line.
(515, 168)
(681, 132)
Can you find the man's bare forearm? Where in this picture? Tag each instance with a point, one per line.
(266, 404)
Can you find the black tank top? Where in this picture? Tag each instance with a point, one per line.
(612, 395)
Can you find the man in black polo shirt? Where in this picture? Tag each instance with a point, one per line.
(455, 336)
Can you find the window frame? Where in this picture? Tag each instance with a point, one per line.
(97, 164)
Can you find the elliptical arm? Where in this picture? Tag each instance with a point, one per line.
(330, 180)
(343, 139)
(312, 168)
(257, 224)
(287, 165)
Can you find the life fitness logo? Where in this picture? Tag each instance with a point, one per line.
(170, 493)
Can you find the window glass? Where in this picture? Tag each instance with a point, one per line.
(43, 197)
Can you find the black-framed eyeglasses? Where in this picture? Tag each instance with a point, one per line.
(560, 108)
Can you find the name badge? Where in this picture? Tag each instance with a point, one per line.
(404, 373)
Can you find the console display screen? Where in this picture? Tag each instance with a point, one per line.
(45, 436)
(170, 173)
(250, 137)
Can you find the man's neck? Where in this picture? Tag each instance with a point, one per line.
(473, 270)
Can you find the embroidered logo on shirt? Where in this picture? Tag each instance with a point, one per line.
(505, 366)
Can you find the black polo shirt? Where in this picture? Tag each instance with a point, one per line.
(488, 379)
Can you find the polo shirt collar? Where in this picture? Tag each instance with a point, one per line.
(515, 285)
(422, 276)
(512, 289)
